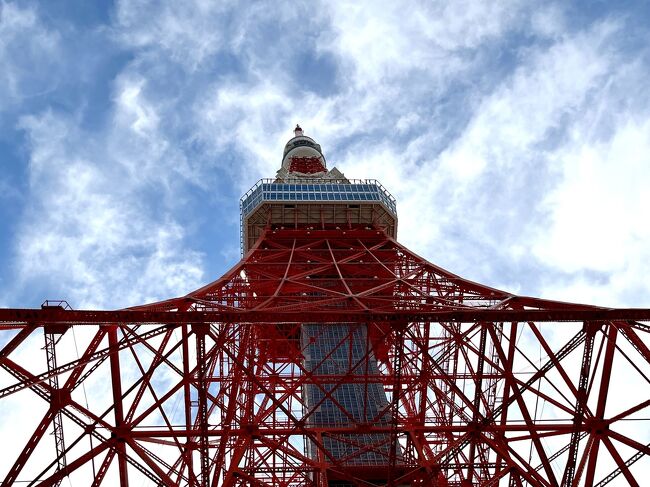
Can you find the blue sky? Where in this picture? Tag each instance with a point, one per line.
(515, 136)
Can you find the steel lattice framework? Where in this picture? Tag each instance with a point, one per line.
(329, 356)
(483, 387)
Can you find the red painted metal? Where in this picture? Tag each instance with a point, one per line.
(306, 165)
(483, 387)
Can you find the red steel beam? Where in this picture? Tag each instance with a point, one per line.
(116, 381)
(20, 317)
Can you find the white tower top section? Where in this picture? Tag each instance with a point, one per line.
(303, 158)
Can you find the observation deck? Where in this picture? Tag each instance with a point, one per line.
(315, 202)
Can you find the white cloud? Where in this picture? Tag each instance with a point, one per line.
(25, 42)
(186, 33)
(429, 36)
(598, 215)
(139, 139)
(136, 113)
(549, 21)
(246, 119)
(511, 126)
(89, 230)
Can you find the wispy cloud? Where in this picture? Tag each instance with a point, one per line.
(161, 29)
(25, 43)
(95, 227)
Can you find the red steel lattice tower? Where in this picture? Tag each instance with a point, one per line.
(330, 355)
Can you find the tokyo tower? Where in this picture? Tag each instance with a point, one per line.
(329, 355)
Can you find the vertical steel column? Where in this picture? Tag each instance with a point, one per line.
(57, 420)
(187, 380)
(581, 401)
(476, 420)
(202, 412)
(603, 393)
(116, 379)
(397, 391)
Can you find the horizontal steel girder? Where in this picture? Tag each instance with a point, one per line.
(12, 318)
